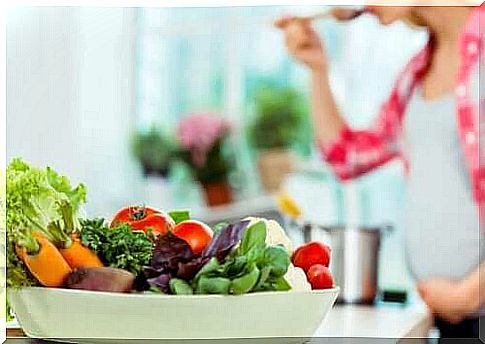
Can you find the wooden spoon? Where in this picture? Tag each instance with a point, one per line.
(339, 13)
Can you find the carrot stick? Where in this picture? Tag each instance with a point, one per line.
(47, 265)
(79, 256)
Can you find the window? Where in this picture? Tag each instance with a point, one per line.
(194, 59)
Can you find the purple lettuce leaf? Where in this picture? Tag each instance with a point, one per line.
(162, 282)
(170, 251)
(187, 271)
(169, 254)
(219, 247)
(225, 240)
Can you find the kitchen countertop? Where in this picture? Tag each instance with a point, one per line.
(381, 321)
(390, 321)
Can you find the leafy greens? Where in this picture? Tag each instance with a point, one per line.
(118, 247)
(173, 258)
(253, 266)
(36, 199)
(236, 261)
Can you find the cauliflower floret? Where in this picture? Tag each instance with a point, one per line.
(296, 278)
(275, 234)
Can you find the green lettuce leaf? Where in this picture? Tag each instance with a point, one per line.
(35, 200)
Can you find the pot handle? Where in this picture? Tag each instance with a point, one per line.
(387, 228)
(306, 229)
(325, 228)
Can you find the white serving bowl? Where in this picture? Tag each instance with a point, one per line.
(87, 316)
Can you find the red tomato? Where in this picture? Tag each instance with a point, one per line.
(195, 233)
(310, 254)
(320, 277)
(129, 214)
(142, 218)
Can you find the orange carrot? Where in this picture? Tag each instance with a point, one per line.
(65, 237)
(79, 256)
(47, 265)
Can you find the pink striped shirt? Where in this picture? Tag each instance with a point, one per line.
(356, 152)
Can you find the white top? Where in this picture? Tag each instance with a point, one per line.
(441, 219)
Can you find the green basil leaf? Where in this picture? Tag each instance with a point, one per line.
(179, 215)
(277, 258)
(212, 267)
(180, 287)
(254, 237)
(280, 284)
(155, 290)
(235, 266)
(265, 271)
(245, 283)
(214, 285)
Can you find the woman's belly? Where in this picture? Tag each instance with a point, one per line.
(441, 219)
(442, 234)
(442, 242)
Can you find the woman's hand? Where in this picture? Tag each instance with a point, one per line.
(303, 42)
(449, 300)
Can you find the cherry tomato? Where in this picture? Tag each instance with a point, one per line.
(310, 254)
(195, 233)
(320, 277)
(142, 218)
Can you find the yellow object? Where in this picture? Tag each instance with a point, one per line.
(288, 206)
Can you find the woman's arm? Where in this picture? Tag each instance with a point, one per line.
(475, 284)
(454, 301)
(350, 153)
(326, 118)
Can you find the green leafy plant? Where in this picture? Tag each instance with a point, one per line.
(280, 121)
(217, 166)
(154, 150)
(203, 139)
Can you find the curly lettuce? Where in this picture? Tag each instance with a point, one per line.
(35, 199)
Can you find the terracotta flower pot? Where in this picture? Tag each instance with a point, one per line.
(218, 193)
(274, 165)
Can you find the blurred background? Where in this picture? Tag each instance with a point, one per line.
(200, 109)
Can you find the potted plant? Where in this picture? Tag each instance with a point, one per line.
(203, 147)
(278, 126)
(155, 151)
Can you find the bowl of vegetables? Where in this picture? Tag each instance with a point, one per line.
(147, 274)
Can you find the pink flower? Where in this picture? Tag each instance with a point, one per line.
(199, 132)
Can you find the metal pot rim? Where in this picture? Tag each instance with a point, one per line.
(366, 229)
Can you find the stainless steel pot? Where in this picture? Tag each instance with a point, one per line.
(354, 258)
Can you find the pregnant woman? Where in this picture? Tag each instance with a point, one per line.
(432, 111)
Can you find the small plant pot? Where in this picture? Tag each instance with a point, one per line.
(217, 193)
(274, 165)
(149, 171)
